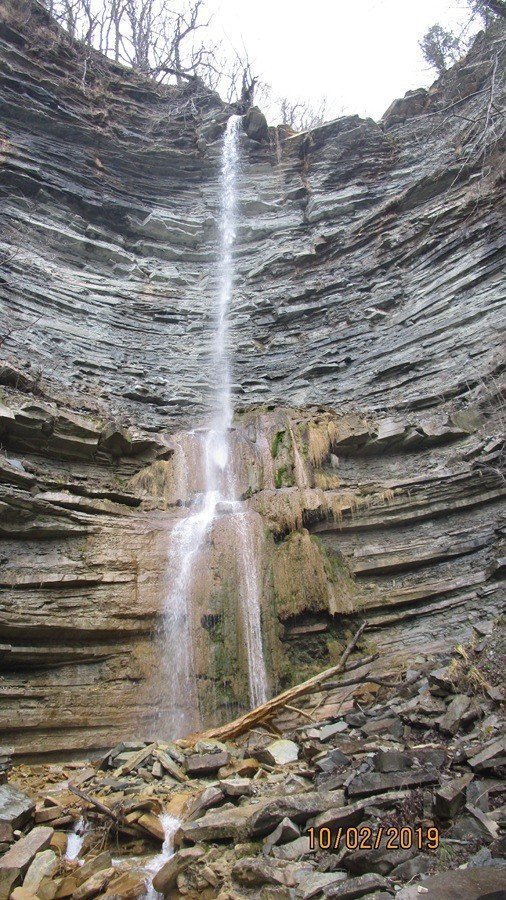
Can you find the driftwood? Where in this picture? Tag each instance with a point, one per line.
(267, 710)
(101, 807)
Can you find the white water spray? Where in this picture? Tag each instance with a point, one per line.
(189, 534)
(75, 839)
(170, 825)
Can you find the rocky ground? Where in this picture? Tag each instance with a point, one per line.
(399, 792)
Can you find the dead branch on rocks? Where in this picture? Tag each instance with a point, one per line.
(101, 807)
(267, 710)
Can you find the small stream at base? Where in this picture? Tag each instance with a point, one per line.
(170, 826)
(75, 839)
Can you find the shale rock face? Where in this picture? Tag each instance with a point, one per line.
(367, 367)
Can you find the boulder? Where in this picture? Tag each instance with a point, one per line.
(477, 794)
(165, 879)
(206, 763)
(59, 842)
(297, 807)
(294, 850)
(471, 884)
(16, 861)
(92, 866)
(21, 893)
(129, 886)
(44, 865)
(490, 756)
(381, 861)
(15, 807)
(229, 823)
(209, 797)
(236, 787)
(285, 831)
(312, 884)
(450, 798)
(327, 731)
(94, 885)
(151, 823)
(331, 761)
(253, 871)
(342, 817)
(242, 768)
(489, 827)
(441, 682)
(171, 767)
(6, 833)
(392, 761)
(418, 865)
(390, 725)
(467, 827)
(279, 753)
(255, 124)
(449, 723)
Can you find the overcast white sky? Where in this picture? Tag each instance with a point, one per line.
(361, 54)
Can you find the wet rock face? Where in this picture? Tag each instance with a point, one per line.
(366, 369)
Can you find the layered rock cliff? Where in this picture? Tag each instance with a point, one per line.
(367, 367)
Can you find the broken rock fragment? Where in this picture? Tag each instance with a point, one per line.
(15, 863)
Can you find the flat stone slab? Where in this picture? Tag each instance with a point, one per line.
(217, 825)
(297, 807)
(279, 753)
(341, 817)
(357, 887)
(255, 871)
(166, 877)
(470, 884)
(15, 807)
(491, 755)
(327, 731)
(206, 763)
(450, 797)
(15, 862)
(377, 783)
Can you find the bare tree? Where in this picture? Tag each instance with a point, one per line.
(488, 10)
(302, 115)
(159, 41)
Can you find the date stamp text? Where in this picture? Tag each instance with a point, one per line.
(366, 838)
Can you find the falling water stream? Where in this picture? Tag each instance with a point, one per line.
(219, 496)
(170, 826)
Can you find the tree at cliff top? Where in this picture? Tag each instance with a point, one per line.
(302, 115)
(159, 41)
(442, 48)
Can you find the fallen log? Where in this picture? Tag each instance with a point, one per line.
(101, 807)
(268, 709)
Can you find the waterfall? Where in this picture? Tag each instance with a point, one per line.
(75, 839)
(170, 825)
(188, 535)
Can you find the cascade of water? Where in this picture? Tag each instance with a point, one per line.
(75, 839)
(189, 534)
(170, 825)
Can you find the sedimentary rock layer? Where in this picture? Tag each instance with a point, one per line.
(367, 377)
